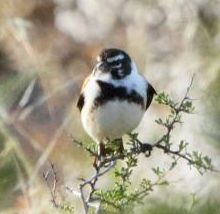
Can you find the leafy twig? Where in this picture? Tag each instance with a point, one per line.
(92, 183)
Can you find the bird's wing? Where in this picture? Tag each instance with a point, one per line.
(81, 98)
(150, 94)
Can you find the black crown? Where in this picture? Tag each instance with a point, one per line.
(115, 61)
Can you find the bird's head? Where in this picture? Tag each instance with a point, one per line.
(115, 62)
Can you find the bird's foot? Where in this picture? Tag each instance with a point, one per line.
(146, 148)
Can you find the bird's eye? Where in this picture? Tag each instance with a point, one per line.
(117, 65)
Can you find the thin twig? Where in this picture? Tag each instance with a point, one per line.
(90, 151)
(53, 189)
(92, 183)
(177, 113)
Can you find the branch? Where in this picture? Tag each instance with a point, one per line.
(50, 176)
(99, 172)
(53, 188)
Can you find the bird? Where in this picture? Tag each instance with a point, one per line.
(113, 98)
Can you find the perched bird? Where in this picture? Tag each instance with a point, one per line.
(114, 97)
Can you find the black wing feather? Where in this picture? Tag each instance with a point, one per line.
(150, 94)
(80, 102)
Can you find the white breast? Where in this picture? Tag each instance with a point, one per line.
(111, 120)
(114, 118)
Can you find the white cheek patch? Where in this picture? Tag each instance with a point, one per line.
(115, 58)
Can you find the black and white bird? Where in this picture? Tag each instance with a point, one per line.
(114, 97)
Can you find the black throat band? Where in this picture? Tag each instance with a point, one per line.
(109, 92)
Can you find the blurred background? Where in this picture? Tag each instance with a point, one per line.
(47, 48)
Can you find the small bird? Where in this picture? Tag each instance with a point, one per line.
(113, 98)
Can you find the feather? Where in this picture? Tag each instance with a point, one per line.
(80, 102)
(81, 99)
(150, 94)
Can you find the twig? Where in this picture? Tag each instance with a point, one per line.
(53, 189)
(80, 144)
(175, 120)
(92, 183)
(169, 151)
